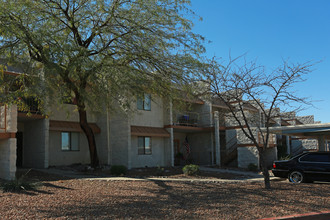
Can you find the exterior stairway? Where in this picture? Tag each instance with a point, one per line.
(229, 154)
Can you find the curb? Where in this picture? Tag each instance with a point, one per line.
(322, 215)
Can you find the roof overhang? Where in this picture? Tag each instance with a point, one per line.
(149, 131)
(309, 130)
(70, 126)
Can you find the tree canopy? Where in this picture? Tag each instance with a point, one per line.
(95, 51)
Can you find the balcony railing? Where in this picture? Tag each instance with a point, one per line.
(30, 105)
(186, 119)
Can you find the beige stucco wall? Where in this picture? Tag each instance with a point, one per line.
(58, 157)
(152, 118)
(67, 112)
(156, 158)
(119, 139)
(8, 158)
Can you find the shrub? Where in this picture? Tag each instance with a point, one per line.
(191, 170)
(19, 184)
(118, 170)
(252, 167)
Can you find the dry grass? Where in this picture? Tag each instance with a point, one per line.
(63, 198)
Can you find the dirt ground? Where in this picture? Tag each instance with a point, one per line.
(64, 198)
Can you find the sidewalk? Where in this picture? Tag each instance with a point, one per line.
(250, 176)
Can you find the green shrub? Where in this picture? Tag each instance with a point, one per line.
(252, 167)
(191, 170)
(118, 170)
(19, 184)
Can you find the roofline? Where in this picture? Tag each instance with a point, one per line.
(297, 127)
(12, 73)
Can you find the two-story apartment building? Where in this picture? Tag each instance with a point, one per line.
(157, 132)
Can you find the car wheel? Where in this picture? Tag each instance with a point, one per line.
(296, 177)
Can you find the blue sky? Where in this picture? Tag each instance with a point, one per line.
(270, 31)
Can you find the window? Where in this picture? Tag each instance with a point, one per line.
(315, 158)
(144, 145)
(144, 102)
(70, 141)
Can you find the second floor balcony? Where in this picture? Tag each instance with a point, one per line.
(29, 105)
(186, 119)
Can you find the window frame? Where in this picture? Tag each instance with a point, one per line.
(71, 144)
(144, 102)
(144, 150)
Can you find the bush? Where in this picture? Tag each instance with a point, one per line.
(19, 184)
(118, 170)
(191, 170)
(252, 167)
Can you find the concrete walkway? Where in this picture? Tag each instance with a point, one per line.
(248, 176)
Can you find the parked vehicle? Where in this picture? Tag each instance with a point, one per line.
(306, 167)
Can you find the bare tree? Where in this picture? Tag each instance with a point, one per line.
(265, 93)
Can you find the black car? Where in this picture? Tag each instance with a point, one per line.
(306, 167)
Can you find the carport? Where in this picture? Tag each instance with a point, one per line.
(321, 132)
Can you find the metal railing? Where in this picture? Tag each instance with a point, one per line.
(186, 119)
(30, 105)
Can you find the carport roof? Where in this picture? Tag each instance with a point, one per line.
(309, 130)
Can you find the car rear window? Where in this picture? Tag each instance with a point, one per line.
(315, 158)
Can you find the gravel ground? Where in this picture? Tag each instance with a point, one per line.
(63, 198)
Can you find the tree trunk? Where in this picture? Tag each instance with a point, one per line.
(264, 169)
(90, 137)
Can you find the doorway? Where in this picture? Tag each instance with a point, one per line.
(19, 149)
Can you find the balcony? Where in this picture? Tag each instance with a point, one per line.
(30, 105)
(190, 119)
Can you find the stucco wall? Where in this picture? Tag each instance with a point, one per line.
(58, 157)
(67, 112)
(119, 139)
(8, 158)
(155, 159)
(247, 155)
(103, 139)
(152, 118)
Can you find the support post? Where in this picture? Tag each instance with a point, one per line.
(321, 142)
(217, 138)
(288, 146)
